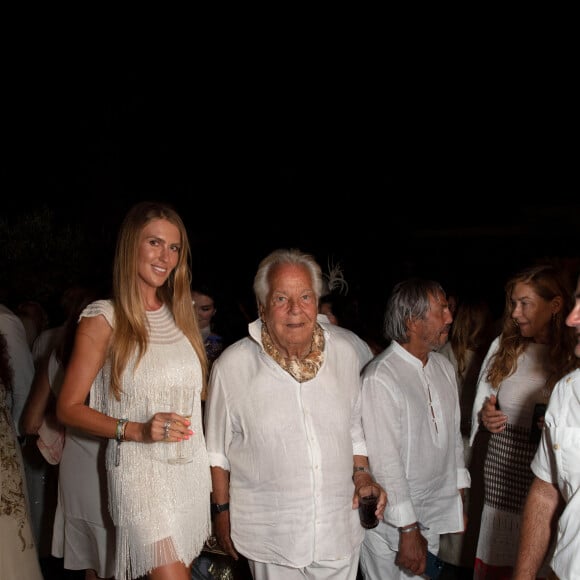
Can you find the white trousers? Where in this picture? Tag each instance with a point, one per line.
(324, 570)
(379, 550)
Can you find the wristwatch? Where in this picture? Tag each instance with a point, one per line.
(360, 469)
(218, 508)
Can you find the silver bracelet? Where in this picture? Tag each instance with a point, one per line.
(120, 437)
(413, 527)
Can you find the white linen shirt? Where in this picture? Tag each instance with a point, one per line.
(364, 351)
(557, 461)
(289, 448)
(417, 458)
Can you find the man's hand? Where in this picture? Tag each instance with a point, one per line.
(412, 553)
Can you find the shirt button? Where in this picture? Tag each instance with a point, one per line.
(556, 446)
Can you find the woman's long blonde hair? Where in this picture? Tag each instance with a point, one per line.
(131, 332)
(548, 281)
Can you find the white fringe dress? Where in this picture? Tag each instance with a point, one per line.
(160, 510)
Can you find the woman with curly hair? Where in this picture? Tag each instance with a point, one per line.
(533, 351)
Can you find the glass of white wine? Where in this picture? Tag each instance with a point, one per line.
(182, 404)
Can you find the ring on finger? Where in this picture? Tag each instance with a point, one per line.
(166, 427)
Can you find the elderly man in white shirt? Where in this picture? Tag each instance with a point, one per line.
(284, 434)
(411, 420)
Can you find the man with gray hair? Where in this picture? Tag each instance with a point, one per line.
(411, 419)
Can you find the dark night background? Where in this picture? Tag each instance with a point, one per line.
(441, 176)
(442, 143)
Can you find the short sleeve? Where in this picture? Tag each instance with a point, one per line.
(100, 307)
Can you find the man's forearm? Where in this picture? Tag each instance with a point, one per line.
(541, 510)
(220, 485)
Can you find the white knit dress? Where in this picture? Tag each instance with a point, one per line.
(160, 510)
(507, 472)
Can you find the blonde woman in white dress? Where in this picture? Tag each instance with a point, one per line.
(134, 354)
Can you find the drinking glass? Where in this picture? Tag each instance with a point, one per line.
(182, 404)
(367, 506)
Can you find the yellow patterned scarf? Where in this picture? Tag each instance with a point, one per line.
(301, 369)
